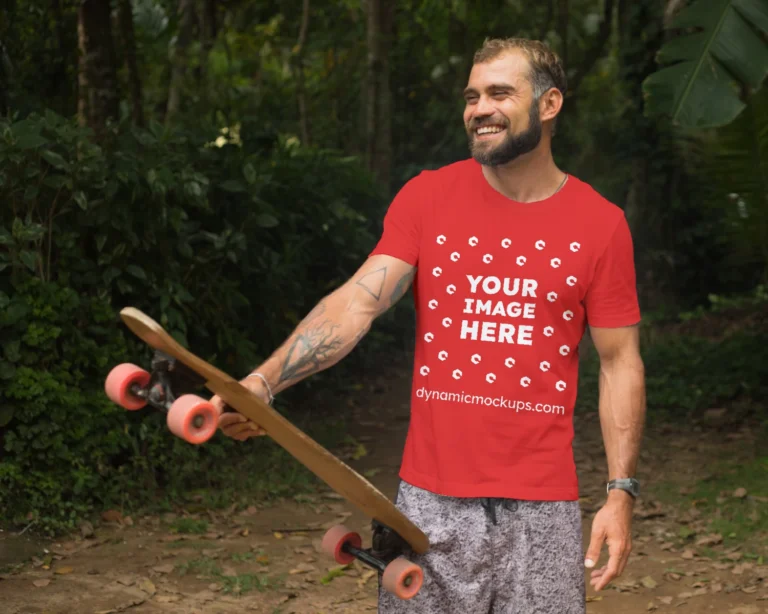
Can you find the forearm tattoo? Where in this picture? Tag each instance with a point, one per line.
(318, 341)
(313, 346)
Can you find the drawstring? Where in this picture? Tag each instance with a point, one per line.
(491, 503)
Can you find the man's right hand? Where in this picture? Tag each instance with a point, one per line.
(236, 425)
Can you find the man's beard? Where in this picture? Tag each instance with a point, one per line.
(512, 146)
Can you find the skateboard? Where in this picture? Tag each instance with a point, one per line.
(176, 372)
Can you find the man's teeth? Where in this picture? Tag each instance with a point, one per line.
(489, 130)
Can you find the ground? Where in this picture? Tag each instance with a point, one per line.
(266, 558)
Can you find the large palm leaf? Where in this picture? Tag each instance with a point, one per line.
(734, 165)
(722, 52)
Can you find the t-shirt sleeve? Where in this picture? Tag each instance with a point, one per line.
(611, 300)
(401, 237)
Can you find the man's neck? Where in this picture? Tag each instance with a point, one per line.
(528, 179)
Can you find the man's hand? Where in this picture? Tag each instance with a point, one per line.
(612, 525)
(236, 425)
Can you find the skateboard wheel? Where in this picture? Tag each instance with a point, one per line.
(402, 578)
(193, 419)
(120, 381)
(335, 538)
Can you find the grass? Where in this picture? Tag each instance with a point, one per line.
(741, 521)
(736, 519)
(208, 569)
(189, 526)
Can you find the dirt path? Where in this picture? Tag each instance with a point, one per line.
(266, 559)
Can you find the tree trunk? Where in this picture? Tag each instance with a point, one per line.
(208, 32)
(301, 95)
(562, 28)
(6, 72)
(129, 49)
(98, 99)
(378, 93)
(186, 13)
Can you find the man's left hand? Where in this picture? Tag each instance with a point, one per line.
(612, 525)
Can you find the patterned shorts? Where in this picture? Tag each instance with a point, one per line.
(494, 556)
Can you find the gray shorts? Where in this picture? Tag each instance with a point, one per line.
(494, 556)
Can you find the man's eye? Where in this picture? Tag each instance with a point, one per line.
(499, 95)
(471, 99)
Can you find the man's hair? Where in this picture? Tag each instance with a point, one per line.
(547, 69)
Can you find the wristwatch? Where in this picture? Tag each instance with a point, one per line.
(631, 485)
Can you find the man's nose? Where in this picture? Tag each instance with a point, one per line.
(483, 108)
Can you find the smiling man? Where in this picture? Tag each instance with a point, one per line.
(510, 260)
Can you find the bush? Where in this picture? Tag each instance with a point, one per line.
(227, 247)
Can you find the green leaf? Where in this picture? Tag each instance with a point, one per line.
(81, 199)
(100, 241)
(265, 220)
(705, 70)
(31, 192)
(6, 412)
(249, 173)
(54, 159)
(30, 141)
(29, 259)
(136, 271)
(5, 237)
(232, 185)
(13, 313)
(12, 350)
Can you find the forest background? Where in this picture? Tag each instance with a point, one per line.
(222, 165)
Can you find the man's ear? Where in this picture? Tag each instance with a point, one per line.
(550, 104)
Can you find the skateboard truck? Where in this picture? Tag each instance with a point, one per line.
(398, 575)
(166, 388)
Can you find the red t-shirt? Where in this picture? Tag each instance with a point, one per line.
(504, 291)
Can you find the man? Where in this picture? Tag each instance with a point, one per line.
(511, 259)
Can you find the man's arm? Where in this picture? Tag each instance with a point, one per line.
(338, 322)
(327, 334)
(622, 417)
(622, 398)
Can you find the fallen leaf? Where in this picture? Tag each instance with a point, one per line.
(749, 590)
(665, 600)
(168, 598)
(688, 554)
(649, 582)
(112, 516)
(741, 568)
(591, 599)
(651, 606)
(41, 583)
(716, 588)
(302, 568)
(710, 540)
(63, 571)
(126, 580)
(146, 585)
(740, 493)
(163, 568)
(744, 609)
(278, 535)
(86, 529)
(734, 556)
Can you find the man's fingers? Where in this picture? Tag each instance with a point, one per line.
(229, 418)
(627, 550)
(611, 571)
(595, 545)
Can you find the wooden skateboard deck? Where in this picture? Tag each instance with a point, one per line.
(335, 473)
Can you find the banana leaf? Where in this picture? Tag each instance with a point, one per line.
(719, 56)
